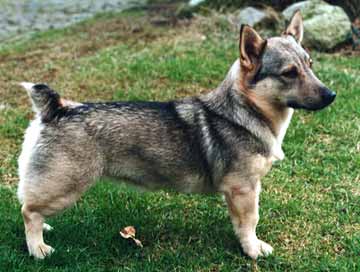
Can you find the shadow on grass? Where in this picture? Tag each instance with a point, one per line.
(178, 232)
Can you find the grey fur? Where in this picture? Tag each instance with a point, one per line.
(219, 142)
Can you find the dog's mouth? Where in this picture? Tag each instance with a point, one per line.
(312, 104)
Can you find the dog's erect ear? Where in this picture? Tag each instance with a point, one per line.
(251, 47)
(296, 27)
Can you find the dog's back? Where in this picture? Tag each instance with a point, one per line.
(223, 141)
(183, 144)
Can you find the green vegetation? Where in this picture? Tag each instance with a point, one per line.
(310, 204)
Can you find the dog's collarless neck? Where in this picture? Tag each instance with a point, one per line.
(226, 102)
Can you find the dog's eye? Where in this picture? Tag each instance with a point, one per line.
(290, 73)
(310, 63)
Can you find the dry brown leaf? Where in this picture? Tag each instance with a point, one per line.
(129, 233)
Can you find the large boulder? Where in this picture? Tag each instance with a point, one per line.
(251, 16)
(194, 3)
(325, 26)
(266, 20)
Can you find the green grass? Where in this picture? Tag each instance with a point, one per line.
(310, 204)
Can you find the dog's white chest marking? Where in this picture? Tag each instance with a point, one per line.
(284, 126)
(30, 140)
(277, 152)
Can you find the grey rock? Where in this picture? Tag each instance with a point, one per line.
(3, 34)
(13, 29)
(251, 16)
(194, 3)
(21, 16)
(267, 21)
(325, 26)
(71, 8)
(3, 107)
(302, 6)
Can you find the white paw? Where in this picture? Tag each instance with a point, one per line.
(40, 251)
(266, 249)
(47, 227)
(255, 248)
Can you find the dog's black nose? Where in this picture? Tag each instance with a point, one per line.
(328, 96)
(332, 96)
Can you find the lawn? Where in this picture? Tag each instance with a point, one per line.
(310, 204)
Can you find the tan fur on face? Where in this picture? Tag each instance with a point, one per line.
(273, 113)
(251, 48)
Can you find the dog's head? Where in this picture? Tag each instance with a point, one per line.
(279, 69)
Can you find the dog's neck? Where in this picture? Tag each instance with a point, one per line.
(266, 121)
(278, 117)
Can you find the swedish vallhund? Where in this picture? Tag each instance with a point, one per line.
(224, 141)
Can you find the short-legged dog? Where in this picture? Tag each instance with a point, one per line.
(224, 141)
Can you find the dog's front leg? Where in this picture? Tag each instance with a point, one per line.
(243, 203)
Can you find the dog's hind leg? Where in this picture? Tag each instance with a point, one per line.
(34, 221)
(43, 199)
(45, 191)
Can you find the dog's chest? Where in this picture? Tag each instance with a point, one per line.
(261, 165)
(277, 153)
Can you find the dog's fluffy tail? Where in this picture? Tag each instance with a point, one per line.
(46, 102)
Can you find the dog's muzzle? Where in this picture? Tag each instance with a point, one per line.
(325, 98)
